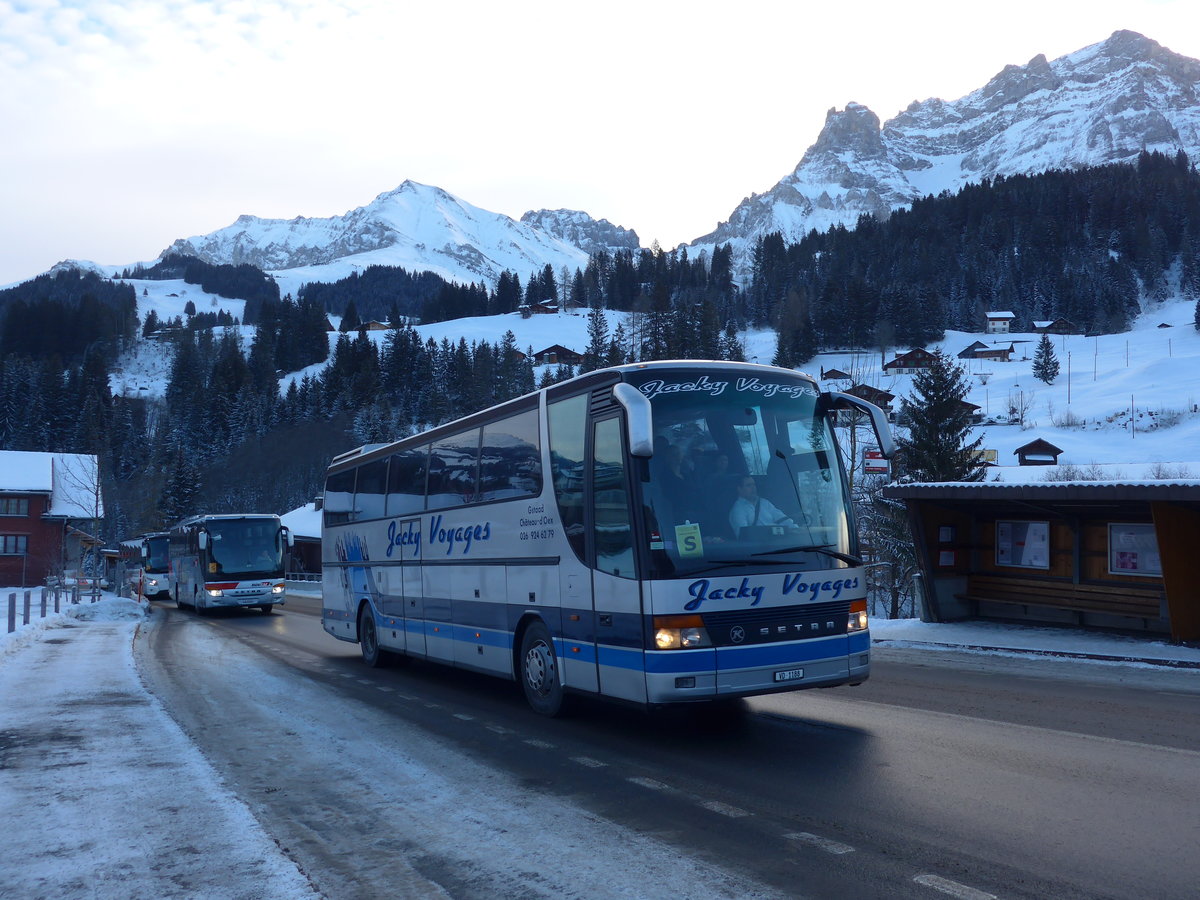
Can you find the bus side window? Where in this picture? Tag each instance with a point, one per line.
(339, 497)
(568, 424)
(406, 482)
(454, 470)
(510, 462)
(368, 497)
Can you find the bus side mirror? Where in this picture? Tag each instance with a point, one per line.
(202, 539)
(638, 418)
(287, 536)
(879, 422)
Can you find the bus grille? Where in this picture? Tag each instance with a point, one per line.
(733, 628)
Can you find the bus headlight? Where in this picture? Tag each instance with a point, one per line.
(151, 582)
(216, 592)
(858, 616)
(680, 633)
(277, 589)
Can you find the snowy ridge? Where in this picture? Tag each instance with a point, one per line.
(1103, 104)
(418, 227)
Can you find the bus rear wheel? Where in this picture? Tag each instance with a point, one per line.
(368, 639)
(539, 671)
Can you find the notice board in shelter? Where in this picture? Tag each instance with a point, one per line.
(1025, 545)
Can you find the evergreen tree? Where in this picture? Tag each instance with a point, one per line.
(597, 348)
(939, 425)
(349, 319)
(182, 488)
(1045, 363)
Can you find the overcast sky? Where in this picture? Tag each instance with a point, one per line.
(127, 124)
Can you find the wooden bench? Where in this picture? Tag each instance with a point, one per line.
(1117, 600)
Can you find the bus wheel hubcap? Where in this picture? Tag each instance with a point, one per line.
(537, 667)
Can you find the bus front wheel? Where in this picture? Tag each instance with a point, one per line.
(368, 639)
(539, 671)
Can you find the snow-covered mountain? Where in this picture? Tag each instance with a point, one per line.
(419, 227)
(580, 230)
(1103, 104)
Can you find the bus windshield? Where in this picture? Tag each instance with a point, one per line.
(159, 553)
(251, 547)
(745, 475)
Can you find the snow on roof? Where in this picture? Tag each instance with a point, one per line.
(304, 521)
(71, 480)
(1003, 314)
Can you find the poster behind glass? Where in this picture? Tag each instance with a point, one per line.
(1025, 545)
(1133, 549)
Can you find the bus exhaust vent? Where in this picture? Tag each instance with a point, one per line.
(602, 402)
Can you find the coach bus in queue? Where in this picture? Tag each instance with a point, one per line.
(219, 561)
(146, 560)
(655, 533)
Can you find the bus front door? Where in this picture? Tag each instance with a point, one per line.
(616, 592)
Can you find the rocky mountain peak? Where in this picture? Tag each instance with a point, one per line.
(580, 230)
(853, 130)
(1102, 104)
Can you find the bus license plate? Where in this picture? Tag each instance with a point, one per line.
(789, 675)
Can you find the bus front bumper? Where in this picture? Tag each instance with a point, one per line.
(259, 595)
(678, 676)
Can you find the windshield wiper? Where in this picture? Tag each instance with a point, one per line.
(736, 563)
(844, 557)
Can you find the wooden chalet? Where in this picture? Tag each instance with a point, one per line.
(998, 321)
(1055, 326)
(969, 352)
(907, 363)
(557, 354)
(544, 308)
(1037, 453)
(882, 399)
(996, 353)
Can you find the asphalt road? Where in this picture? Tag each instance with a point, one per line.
(946, 774)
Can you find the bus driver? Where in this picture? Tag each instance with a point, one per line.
(750, 509)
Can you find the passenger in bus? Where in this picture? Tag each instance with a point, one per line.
(674, 486)
(750, 509)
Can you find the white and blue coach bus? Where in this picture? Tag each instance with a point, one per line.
(219, 561)
(655, 533)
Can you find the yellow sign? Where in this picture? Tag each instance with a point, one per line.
(687, 540)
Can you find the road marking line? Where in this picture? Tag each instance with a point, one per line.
(953, 888)
(724, 809)
(464, 717)
(385, 688)
(589, 762)
(541, 745)
(820, 843)
(651, 783)
(499, 729)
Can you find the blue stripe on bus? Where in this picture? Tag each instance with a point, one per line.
(628, 657)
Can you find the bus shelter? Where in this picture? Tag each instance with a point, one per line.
(1097, 554)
